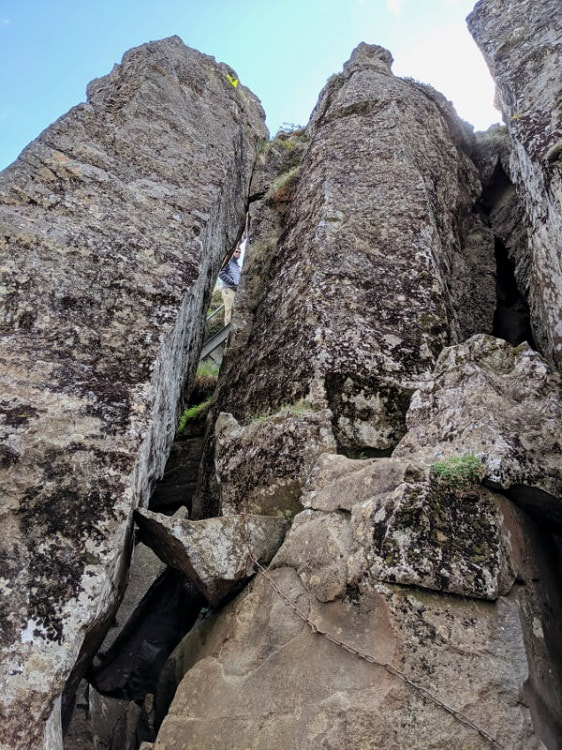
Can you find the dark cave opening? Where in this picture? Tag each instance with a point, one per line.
(512, 321)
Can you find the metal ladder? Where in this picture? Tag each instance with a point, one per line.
(214, 342)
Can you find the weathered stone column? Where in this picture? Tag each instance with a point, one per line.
(380, 262)
(113, 226)
(522, 43)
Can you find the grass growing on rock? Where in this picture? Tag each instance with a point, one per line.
(201, 395)
(299, 409)
(458, 472)
(282, 188)
(205, 382)
(192, 413)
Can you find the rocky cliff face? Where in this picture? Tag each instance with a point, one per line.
(381, 390)
(522, 44)
(408, 607)
(113, 226)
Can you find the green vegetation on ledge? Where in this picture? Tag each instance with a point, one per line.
(458, 472)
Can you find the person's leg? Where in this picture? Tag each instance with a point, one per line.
(228, 299)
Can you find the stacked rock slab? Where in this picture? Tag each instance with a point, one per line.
(402, 610)
(522, 43)
(503, 404)
(380, 263)
(113, 227)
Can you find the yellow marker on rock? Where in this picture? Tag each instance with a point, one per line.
(232, 80)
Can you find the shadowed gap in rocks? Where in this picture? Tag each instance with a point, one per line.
(512, 320)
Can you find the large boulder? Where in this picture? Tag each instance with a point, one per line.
(113, 225)
(522, 43)
(325, 651)
(501, 404)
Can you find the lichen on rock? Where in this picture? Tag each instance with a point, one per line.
(114, 223)
(522, 43)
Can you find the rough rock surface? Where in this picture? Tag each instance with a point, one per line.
(502, 404)
(113, 225)
(358, 278)
(214, 553)
(261, 467)
(378, 262)
(409, 529)
(271, 681)
(390, 582)
(522, 43)
(402, 610)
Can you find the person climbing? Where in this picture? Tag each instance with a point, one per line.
(230, 278)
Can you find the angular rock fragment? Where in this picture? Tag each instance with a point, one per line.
(423, 535)
(339, 483)
(215, 553)
(260, 467)
(399, 526)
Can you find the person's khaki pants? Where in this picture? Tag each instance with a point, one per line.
(228, 299)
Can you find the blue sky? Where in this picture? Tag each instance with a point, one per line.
(284, 50)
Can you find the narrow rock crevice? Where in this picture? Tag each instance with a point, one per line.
(503, 211)
(130, 668)
(121, 679)
(498, 189)
(512, 320)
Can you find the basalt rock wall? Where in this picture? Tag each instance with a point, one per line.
(377, 261)
(408, 607)
(114, 223)
(415, 599)
(522, 43)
